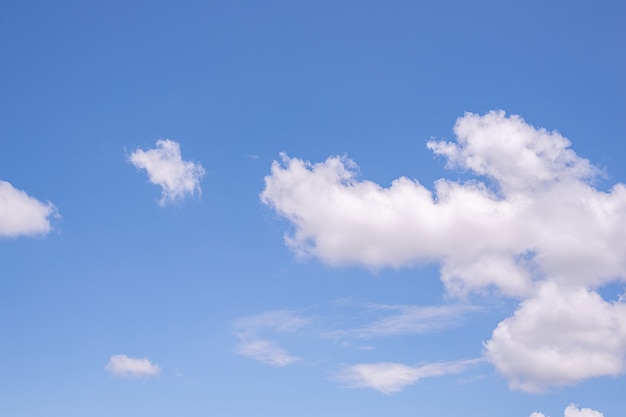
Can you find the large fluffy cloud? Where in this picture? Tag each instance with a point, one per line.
(166, 168)
(558, 337)
(127, 367)
(534, 225)
(544, 218)
(21, 214)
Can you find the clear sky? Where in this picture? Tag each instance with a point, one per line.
(312, 209)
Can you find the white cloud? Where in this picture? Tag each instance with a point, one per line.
(546, 223)
(249, 329)
(127, 367)
(388, 377)
(516, 155)
(166, 168)
(535, 219)
(559, 337)
(23, 215)
(573, 411)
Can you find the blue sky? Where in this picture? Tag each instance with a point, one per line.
(312, 208)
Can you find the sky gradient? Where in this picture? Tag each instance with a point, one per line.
(312, 208)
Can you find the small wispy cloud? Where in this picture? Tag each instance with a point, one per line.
(23, 215)
(166, 168)
(280, 321)
(265, 351)
(127, 367)
(253, 345)
(391, 377)
(406, 319)
(258, 337)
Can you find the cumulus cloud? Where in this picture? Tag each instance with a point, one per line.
(515, 154)
(253, 345)
(166, 168)
(127, 367)
(551, 222)
(559, 337)
(573, 411)
(23, 215)
(530, 223)
(388, 377)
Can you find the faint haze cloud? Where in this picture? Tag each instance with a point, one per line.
(260, 337)
(253, 344)
(23, 215)
(127, 367)
(394, 320)
(165, 167)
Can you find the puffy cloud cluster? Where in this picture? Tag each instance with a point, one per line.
(127, 367)
(166, 168)
(534, 228)
(23, 215)
(516, 155)
(573, 411)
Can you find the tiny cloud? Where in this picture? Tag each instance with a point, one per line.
(166, 168)
(127, 367)
(573, 411)
(23, 215)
